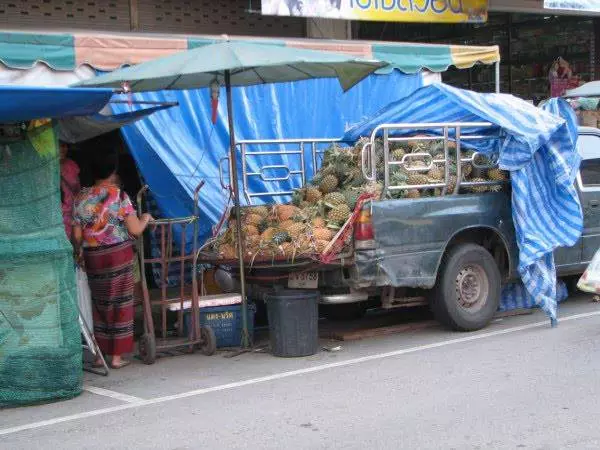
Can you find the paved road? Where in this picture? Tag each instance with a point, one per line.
(517, 384)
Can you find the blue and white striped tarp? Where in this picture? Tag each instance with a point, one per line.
(515, 296)
(537, 147)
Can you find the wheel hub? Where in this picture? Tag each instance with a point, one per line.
(472, 287)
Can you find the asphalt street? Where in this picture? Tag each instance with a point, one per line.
(518, 384)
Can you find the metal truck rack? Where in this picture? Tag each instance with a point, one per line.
(368, 155)
(297, 167)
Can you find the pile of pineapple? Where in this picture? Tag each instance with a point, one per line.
(304, 228)
(419, 174)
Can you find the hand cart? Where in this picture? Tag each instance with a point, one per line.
(199, 337)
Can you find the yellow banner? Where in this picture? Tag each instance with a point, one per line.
(447, 11)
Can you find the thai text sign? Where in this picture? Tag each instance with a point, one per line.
(449, 11)
(574, 5)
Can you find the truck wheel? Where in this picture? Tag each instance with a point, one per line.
(467, 292)
(344, 312)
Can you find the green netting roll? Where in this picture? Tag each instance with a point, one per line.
(40, 341)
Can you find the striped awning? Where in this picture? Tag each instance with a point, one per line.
(66, 52)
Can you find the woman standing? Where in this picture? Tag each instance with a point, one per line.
(69, 187)
(104, 219)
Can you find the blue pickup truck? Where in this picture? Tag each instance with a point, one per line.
(452, 251)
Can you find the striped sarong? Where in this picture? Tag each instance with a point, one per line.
(110, 277)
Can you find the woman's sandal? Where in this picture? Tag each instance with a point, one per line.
(121, 365)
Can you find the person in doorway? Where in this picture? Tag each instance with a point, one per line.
(69, 187)
(104, 221)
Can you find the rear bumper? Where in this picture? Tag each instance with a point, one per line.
(341, 299)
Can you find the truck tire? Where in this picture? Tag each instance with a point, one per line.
(467, 293)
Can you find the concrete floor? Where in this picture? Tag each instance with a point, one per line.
(516, 384)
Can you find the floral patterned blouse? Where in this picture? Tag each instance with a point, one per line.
(101, 213)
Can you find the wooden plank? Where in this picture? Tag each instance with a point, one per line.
(355, 335)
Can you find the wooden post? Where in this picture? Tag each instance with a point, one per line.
(595, 51)
(134, 19)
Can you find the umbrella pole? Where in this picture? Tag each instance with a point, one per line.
(236, 204)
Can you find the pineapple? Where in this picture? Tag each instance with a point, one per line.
(313, 194)
(451, 183)
(285, 225)
(263, 225)
(352, 196)
(436, 173)
(399, 178)
(319, 222)
(416, 179)
(298, 197)
(374, 189)
(253, 219)
(467, 169)
(262, 211)
(251, 230)
(323, 234)
(437, 148)
(268, 234)
(398, 154)
(312, 211)
(355, 178)
(339, 214)
(334, 198)
(285, 212)
(497, 175)
(478, 189)
(280, 237)
(328, 184)
(296, 229)
(320, 246)
(413, 193)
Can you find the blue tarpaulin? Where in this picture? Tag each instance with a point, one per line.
(538, 148)
(22, 103)
(177, 148)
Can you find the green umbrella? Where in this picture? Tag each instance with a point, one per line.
(237, 64)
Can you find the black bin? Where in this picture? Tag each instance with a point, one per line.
(293, 322)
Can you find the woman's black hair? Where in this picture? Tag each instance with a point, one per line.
(104, 164)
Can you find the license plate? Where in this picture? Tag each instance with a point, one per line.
(303, 280)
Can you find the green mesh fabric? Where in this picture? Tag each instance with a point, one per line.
(40, 341)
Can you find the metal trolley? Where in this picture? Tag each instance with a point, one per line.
(185, 297)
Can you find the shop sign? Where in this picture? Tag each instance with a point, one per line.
(573, 5)
(448, 11)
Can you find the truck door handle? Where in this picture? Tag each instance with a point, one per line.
(594, 203)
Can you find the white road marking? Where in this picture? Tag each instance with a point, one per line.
(282, 375)
(112, 394)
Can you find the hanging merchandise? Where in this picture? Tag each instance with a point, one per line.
(590, 280)
(561, 78)
(42, 138)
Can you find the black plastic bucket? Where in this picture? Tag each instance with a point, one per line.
(293, 322)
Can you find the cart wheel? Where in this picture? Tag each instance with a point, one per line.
(208, 346)
(147, 348)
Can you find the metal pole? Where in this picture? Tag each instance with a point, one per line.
(238, 216)
(497, 69)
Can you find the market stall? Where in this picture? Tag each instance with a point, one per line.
(40, 341)
(158, 75)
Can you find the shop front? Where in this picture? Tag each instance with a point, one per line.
(544, 51)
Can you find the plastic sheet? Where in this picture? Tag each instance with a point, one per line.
(539, 150)
(175, 149)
